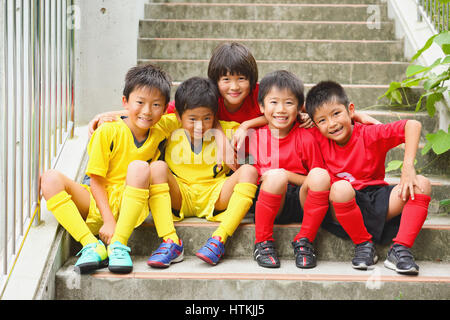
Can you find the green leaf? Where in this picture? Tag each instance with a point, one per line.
(440, 141)
(425, 47)
(427, 148)
(415, 69)
(392, 87)
(446, 60)
(394, 165)
(446, 48)
(431, 101)
(442, 38)
(435, 80)
(444, 202)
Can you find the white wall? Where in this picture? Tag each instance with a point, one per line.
(105, 48)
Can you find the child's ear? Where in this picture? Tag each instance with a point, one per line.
(124, 102)
(177, 115)
(303, 109)
(351, 109)
(261, 107)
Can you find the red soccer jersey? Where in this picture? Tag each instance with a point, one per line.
(361, 160)
(298, 152)
(249, 109)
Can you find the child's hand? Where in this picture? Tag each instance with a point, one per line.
(107, 231)
(364, 118)
(98, 121)
(306, 121)
(407, 182)
(239, 136)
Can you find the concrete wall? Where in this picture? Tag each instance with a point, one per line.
(105, 48)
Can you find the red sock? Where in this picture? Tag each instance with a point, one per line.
(413, 217)
(315, 209)
(266, 210)
(349, 216)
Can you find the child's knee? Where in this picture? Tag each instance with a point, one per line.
(158, 172)
(318, 179)
(138, 174)
(51, 183)
(275, 181)
(424, 185)
(341, 191)
(248, 173)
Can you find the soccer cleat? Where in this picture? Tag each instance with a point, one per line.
(212, 251)
(168, 252)
(266, 255)
(119, 258)
(400, 259)
(304, 254)
(365, 256)
(93, 256)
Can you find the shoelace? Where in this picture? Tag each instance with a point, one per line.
(119, 251)
(88, 250)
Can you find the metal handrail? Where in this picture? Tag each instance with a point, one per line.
(435, 14)
(37, 112)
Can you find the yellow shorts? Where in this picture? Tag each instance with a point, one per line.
(94, 219)
(198, 200)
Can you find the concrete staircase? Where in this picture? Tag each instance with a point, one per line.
(330, 39)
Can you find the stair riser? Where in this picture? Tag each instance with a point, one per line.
(351, 73)
(264, 30)
(426, 164)
(273, 1)
(92, 288)
(430, 244)
(275, 50)
(265, 12)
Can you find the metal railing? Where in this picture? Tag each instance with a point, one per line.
(36, 112)
(435, 13)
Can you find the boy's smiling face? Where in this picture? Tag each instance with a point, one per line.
(197, 121)
(280, 109)
(234, 89)
(334, 121)
(145, 107)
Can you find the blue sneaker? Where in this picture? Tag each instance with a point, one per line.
(93, 257)
(167, 253)
(212, 251)
(119, 258)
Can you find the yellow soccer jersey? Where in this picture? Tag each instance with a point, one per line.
(112, 148)
(199, 166)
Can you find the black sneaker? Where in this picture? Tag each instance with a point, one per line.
(304, 254)
(400, 259)
(365, 256)
(266, 255)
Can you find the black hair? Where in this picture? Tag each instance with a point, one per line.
(234, 58)
(147, 76)
(325, 92)
(196, 92)
(282, 79)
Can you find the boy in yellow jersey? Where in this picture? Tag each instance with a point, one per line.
(197, 185)
(117, 199)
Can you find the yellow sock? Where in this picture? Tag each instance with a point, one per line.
(68, 215)
(133, 202)
(240, 202)
(161, 208)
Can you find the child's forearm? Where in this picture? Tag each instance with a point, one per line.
(412, 137)
(101, 198)
(295, 178)
(254, 123)
(364, 118)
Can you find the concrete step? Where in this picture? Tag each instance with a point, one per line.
(243, 279)
(275, 49)
(351, 72)
(266, 29)
(277, 2)
(267, 11)
(430, 245)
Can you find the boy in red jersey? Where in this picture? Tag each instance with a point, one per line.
(288, 161)
(362, 200)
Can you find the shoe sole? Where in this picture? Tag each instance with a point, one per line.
(90, 267)
(160, 265)
(363, 266)
(120, 269)
(412, 271)
(206, 259)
